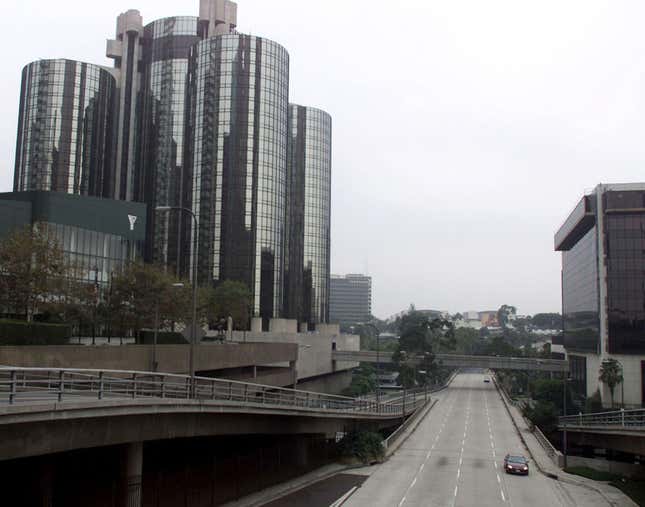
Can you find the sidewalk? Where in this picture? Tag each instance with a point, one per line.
(611, 495)
(278, 491)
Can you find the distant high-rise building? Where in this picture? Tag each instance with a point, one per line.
(350, 298)
(603, 296)
(308, 215)
(64, 128)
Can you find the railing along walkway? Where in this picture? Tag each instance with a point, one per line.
(627, 419)
(33, 386)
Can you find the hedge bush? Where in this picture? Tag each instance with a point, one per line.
(146, 337)
(18, 332)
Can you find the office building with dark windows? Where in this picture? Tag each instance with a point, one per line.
(193, 117)
(64, 128)
(97, 235)
(237, 124)
(603, 289)
(350, 299)
(308, 215)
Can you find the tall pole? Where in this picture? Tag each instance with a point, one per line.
(193, 332)
(154, 336)
(378, 367)
(193, 329)
(564, 421)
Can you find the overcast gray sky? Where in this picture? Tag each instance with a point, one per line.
(464, 131)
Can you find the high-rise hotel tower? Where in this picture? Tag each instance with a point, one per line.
(193, 115)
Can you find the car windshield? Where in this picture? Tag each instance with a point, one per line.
(517, 459)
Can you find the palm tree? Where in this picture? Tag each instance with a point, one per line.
(611, 374)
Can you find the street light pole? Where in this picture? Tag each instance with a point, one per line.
(193, 330)
(378, 362)
(564, 421)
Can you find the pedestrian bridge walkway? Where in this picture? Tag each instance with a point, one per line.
(461, 361)
(616, 422)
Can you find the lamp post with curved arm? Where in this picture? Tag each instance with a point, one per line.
(193, 329)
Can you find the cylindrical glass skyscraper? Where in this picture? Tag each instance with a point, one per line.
(64, 142)
(308, 215)
(239, 87)
(160, 168)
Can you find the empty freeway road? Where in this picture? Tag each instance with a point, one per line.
(454, 458)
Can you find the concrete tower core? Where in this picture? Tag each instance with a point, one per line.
(216, 17)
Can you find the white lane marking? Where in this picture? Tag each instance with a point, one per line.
(503, 497)
(458, 473)
(456, 490)
(402, 501)
(343, 498)
(423, 465)
(498, 479)
(413, 483)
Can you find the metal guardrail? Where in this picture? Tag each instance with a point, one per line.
(616, 418)
(548, 447)
(458, 360)
(32, 386)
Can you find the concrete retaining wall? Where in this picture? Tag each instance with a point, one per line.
(603, 465)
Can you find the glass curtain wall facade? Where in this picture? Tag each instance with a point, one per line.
(625, 258)
(308, 217)
(166, 47)
(580, 295)
(64, 142)
(237, 154)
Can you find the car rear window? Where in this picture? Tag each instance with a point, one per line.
(516, 459)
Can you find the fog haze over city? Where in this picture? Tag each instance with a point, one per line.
(464, 132)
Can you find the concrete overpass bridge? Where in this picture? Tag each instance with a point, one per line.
(461, 361)
(54, 412)
(620, 430)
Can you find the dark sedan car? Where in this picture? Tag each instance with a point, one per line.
(516, 465)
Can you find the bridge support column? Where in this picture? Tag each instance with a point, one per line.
(133, 474)
(302, 452)
(46, 482)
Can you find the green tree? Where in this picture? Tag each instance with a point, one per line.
(547, 320)
(551, 391)
(611, 374)
(139, 290)
(503, 314)
(234, 299)
(467, 340)
(32, 270)
(420, 339)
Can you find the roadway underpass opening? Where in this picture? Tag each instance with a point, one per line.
(199, 472)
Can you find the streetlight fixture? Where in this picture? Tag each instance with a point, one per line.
(193, 330)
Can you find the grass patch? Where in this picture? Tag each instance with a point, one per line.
(592, 474)
(632, 488)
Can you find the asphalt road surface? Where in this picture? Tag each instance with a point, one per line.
(455, 456)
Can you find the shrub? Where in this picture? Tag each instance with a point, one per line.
(17, 332)
(543, 414)
(366, 446)
(146, 337)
